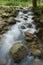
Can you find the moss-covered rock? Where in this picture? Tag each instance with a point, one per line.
(31, 44)
(18, 52)
(5, 15)
(29, 36)
(11, 20)
(36, 52)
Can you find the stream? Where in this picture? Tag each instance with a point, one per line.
(16, 34)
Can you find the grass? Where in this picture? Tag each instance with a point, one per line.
(2, 2)
(18, 3)
(25, 3)
(15, 3)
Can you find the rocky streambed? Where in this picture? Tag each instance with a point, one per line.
(21, 36)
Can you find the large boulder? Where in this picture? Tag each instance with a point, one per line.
(5, 15)
(11, 20)
(4, 27)
(36, 52)
(18, 52)
(29, 36)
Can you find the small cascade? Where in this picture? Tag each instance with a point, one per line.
(16, 34)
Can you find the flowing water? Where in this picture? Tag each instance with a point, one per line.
(16, 34)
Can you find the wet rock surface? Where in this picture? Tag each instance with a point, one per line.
(11, 20)
(29, 36)
(18, 52)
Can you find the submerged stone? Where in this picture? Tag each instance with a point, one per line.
(25, 11)
(29, 25)
(25, 18)
(22, 27)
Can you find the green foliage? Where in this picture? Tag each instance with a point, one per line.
(24, 0)
(19, 2)
(15, 3)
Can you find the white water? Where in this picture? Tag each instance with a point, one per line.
(12, 36)
(16, 34)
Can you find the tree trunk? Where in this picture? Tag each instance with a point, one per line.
(34, 3)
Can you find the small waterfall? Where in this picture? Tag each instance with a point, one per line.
(11, 37)
(16, 34)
